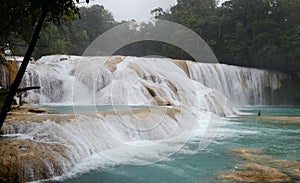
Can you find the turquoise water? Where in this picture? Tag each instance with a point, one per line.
(71, 108)
(281, 140)
(273, 111)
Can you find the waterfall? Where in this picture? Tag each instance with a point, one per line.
(62, 78)
(113, 80)
(157, 105)
(243, 86)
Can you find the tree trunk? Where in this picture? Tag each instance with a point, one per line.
(14, 87)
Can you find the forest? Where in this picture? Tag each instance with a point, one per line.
(252, 33)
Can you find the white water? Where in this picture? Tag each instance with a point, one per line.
(134, 137)
(242, 85)
(65, 78)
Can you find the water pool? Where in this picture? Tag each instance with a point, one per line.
(279, 139)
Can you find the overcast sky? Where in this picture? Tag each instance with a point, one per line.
(133, 9)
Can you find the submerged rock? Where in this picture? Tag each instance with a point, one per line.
(256, 173)
(261, 167)
(292, 168)
(251, 154)
(284, 120)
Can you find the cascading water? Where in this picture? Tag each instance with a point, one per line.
(243, 86)
(164, 107)
(56, 76)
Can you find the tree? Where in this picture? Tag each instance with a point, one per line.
(95, 20)
(252, 33)
(50, 10)
(72, 35)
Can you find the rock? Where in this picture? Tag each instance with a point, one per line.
(111, 63)
(12, 67)
(182, 64)
(267, 165)
(27, 160)
(283, 120)
(256, 173)
(291, 168)
(251, 154)
(37, 110)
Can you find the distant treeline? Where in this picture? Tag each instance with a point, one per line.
(252, 33)
(69, 36)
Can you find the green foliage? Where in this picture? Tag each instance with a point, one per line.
(18, 19)
(254, 33)
(95, 20)
(18, 15)
(71, 35)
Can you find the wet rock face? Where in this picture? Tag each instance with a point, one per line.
(26, 160)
